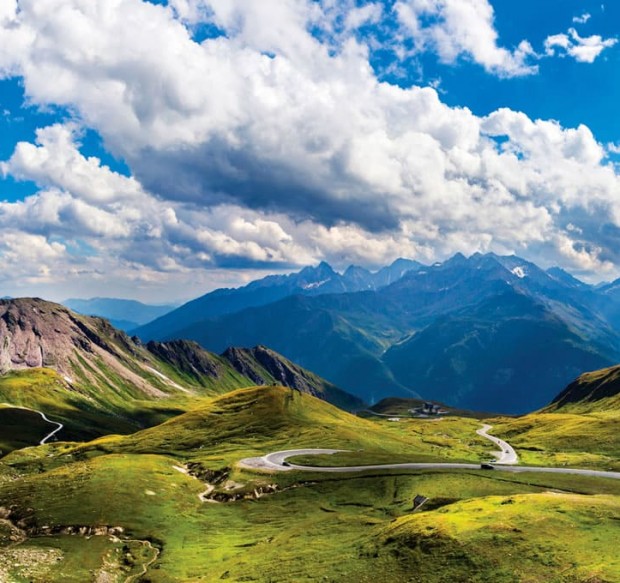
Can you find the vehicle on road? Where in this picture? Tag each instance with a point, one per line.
(486, 466)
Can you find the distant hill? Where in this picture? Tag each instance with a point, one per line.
(503, 354)
(257, 366)
(123, 314)
(396, 406)
(485, 332)
(308, 331)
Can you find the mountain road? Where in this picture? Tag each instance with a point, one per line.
(507, 457)
(58, 425)
(506, 454)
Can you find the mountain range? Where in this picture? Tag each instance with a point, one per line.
(310, 281)
(96, 379)
(123, 314)
(485, 332)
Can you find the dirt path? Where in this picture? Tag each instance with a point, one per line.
(145, 566)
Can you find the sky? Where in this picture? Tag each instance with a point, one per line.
(158, 150)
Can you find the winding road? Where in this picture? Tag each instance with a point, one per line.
(506, 454)
(276, 461)
(59, 426)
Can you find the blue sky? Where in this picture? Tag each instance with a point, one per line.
(566, 90)
(157, 150)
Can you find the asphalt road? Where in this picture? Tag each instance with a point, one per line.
(59, 426)
(276, 461)
(506, 454)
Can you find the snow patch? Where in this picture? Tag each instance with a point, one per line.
(165, 378)
(519, 272)
(315, 284)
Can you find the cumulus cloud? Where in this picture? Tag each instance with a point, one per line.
(271, 146)
(54, 160)
(30, 259)
(582, 49)
(464, 28)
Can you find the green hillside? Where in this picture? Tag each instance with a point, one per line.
(96, 380)
(509, 538)
(591, 392)
(580, 428)
(120, 506)
(565, 439)
(257, 420)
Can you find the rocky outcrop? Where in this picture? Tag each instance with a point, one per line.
(188, 357)
(221, 489)
(24, 520)
(265, 366)
(36, 333)
(254, 494)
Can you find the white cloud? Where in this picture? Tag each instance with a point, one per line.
(463, 28)
(8, 10)
(246, 159)
(613, 148)
(360, 16)
(587, 260)
(582, 49)
(582, 19)
(55, 161)
(29, 259)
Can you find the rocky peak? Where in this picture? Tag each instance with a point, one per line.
(36, 333)
(187, 356)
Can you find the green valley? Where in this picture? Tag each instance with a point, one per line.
(173, 494)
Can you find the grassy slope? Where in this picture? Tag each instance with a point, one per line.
(592, 392)
(20, 428)
(565, 439)
(318, 527)
(45, 390)
(581, 428)
(258, 420)
(99, 399)
(493, 539)
(332, 529)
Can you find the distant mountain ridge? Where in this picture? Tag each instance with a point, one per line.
(123, 314)
(482, 332)
(310, 281)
